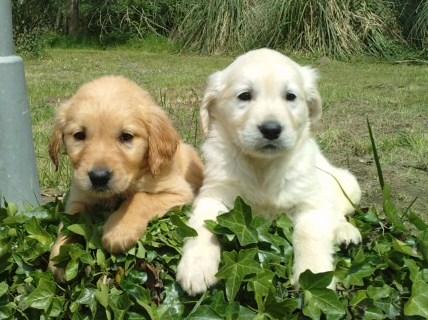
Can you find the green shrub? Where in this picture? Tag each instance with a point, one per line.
(118, 21)
(30, 19)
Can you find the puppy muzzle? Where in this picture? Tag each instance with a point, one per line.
(100, 178)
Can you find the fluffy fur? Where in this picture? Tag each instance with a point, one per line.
(287, 174)
(112, 126)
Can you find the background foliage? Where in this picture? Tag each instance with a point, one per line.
(338, 28)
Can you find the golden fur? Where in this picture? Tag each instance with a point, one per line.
(113, 125)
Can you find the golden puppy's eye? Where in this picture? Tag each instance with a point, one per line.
(245, 96)
(126, 137)
(289, 96)
(79, 136)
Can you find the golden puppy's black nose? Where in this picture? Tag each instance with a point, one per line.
(99, 177)
(270, 130)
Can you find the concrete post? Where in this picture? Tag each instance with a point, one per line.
(18, 174)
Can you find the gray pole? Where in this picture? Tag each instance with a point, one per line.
(18, 175)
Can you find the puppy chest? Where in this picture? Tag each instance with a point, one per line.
(273, 199)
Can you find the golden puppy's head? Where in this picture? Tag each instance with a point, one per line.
(114, 133)
(264, 101)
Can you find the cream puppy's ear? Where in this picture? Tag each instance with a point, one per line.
(313, 98)
(57, 137)
(211, 93)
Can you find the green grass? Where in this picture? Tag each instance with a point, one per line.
(393, 96)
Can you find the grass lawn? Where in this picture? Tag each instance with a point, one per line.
(393, 96)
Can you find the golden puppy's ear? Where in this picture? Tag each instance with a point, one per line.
(211, 93)
(163, 141)
(56, 140)
(313, 98)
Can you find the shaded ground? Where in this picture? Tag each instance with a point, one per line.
(393, 96)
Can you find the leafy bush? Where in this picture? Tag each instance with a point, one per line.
(118, 21)
(30, 20)
(385, 277)
(336, 28)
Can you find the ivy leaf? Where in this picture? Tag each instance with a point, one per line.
(324, 300)
(358, 297)
(418, 302)
(37, 233)
(238, 220)
(182, 228)
(72, 269)
(261, 285)
(278, 309)
(57, 307)
(41, 297)
(286, 225)
(171, 307)
(377, 293)
(87, 298)
(403, 248)
(309, 280)
(3, 288)
(101, 294)
(358, 272)
(81, 229)
(204, 313)
(374, 313)
(236, 267)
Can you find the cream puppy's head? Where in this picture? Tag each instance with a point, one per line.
(264, 101)
(114, 134)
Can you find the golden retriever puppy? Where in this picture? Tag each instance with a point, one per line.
(126, 154)
(257, 115)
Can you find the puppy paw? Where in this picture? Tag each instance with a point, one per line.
(346, 233)
(118, 238)
(198, 265)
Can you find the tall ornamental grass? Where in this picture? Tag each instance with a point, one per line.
(336, 27)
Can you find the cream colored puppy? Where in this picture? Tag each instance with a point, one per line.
(257, 115)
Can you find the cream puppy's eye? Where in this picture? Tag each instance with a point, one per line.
(245, 96)
(79, 136)
(289, 96)
(126, 137)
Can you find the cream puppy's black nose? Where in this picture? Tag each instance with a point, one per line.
(270, 129)
(99, 177)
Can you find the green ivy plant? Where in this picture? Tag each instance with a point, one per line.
(385, 277)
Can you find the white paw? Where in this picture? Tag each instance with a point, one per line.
(199, 265)
(346, 233)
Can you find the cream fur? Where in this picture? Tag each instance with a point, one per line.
(292, 177)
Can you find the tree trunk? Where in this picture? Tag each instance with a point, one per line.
(73, 18)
